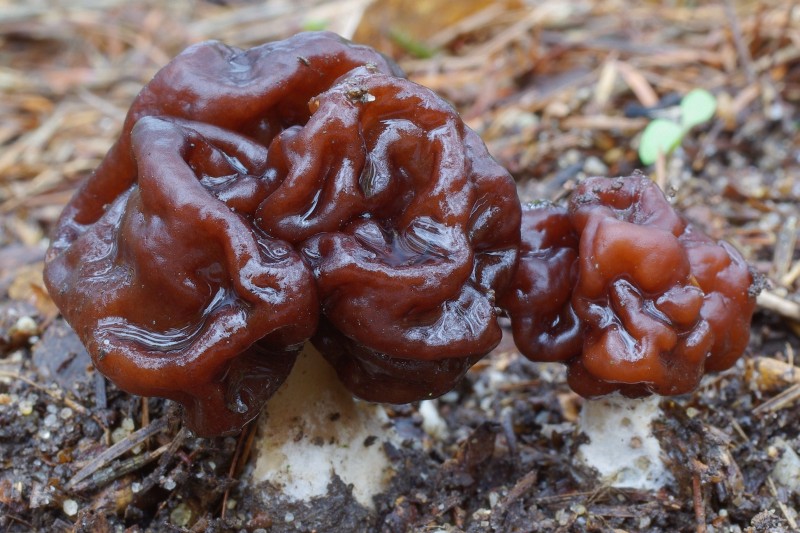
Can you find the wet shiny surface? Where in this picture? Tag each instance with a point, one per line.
(657, 302)
(409, 242)
(543, 321)
(252, 192)
(304, 190)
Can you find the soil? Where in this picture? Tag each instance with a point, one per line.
(558, 91)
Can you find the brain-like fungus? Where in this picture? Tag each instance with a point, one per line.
(410, 245)
(655, 301)
(259, 198)
(304, 190)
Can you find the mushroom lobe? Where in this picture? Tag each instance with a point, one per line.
(159, 262)
(543, 322)
(409, 242)
(657, 303)
(252, 192)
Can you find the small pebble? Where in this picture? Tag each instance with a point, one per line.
(25, 326)
(772, 452)
(594, 166)
(25, 407)
(493, 499)
(70, 507)
(786, 471)
(125, 428)
(181, 515)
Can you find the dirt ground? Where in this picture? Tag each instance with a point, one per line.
(558, 91)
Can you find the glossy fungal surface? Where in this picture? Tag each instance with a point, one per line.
(543, 321)
(410, 248)
(254, 192)
(304, 190)
(656, 301)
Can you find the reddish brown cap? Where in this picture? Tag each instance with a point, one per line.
(251, 191)
(157, 261)
(658, 303)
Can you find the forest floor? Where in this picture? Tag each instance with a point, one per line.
(558, 91)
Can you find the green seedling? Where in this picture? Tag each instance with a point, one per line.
(411, 45)
(315, 25)
(663, 135)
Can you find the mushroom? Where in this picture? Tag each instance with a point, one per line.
(258, 199)
(157, 261)
(303, 190)
(408, 267)
(654, 303)
(410, 228)
(172, 291)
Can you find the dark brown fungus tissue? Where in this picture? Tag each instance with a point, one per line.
(544, 322)
(258, 198)
(304, 190)
(632, 297)
(637, 302)
(407, 282)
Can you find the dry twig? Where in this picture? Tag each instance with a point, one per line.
(776, 303)
(128, 443)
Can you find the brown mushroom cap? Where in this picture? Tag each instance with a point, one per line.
(658, 302)
(249, 192)
(412, 238)
(157, 263)
(174, 293)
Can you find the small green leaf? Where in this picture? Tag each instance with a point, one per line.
(660, 135)
(315, 25)
(414, 47)
(697, 107)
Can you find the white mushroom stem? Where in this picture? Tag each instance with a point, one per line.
(622, 447)
(313, 428)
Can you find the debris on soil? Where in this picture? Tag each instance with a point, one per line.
(559, 91)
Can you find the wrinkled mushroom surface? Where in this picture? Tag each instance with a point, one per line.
(657, 302)
(251, 193)
(409, 242)
(304, 189)
(543, 321)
